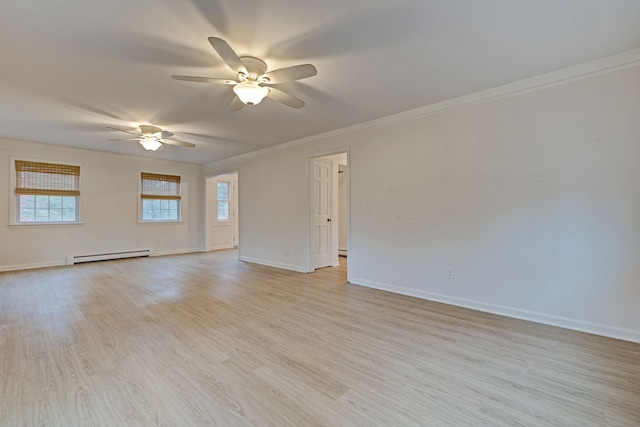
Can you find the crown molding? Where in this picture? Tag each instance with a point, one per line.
(53, 148)
(605, 65)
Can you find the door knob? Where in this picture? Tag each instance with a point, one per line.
(328, 219)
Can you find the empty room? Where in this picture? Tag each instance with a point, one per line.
(337, 213)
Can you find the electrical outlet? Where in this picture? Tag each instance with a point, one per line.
(450, 273)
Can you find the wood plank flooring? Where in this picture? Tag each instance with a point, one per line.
(205, 339)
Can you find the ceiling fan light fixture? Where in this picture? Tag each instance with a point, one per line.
(250, 93)
(150, 143)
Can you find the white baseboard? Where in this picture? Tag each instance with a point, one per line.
(178, 252)
(532, 316)
(217, 248)
(291, 267)
(33, 265)
(59, 263)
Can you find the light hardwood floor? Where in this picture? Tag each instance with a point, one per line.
(206, 339)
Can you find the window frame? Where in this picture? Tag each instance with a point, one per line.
(141, 220)
(14, 204)
(227, 200)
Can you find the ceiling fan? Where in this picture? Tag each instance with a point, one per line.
(152, 138)
(253, 81)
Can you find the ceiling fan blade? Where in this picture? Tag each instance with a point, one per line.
(212, 139)
(122, 130)
(204, 79)
(148, 130)
(178, 143)
(164, 134)
(236, 104)
(228, 55)
(287, 74)
(126, 139)
(285, 98)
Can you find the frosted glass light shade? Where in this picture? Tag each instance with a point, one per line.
(150, 143)
(250, 93)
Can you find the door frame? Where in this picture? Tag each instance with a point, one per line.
(310, 159)
(208, 209)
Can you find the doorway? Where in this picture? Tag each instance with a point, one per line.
(329, 204)
(221, 230)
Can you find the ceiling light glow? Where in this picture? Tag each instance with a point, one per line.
(150, 143)
(250, 93)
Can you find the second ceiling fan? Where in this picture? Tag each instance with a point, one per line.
(152, 138)
(253, 81)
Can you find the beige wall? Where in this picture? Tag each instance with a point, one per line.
(109, 204)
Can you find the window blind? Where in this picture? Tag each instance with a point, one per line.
(47, 179)
(157, 186)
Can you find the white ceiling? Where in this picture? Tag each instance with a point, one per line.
(71, 67)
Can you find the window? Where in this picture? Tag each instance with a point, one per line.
(46, 192)
(160, 196)
(223, 201)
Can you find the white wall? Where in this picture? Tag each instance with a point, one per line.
(109, 203)
(532, 200)
(274, 203)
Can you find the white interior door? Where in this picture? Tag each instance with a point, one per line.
(221, 212)
(321, 213)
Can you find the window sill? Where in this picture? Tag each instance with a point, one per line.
(46, 224)
(165, 222)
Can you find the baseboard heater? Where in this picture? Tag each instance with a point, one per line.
(77, 259)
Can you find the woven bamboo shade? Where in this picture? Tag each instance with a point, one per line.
(47, 179)
(157, 186)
